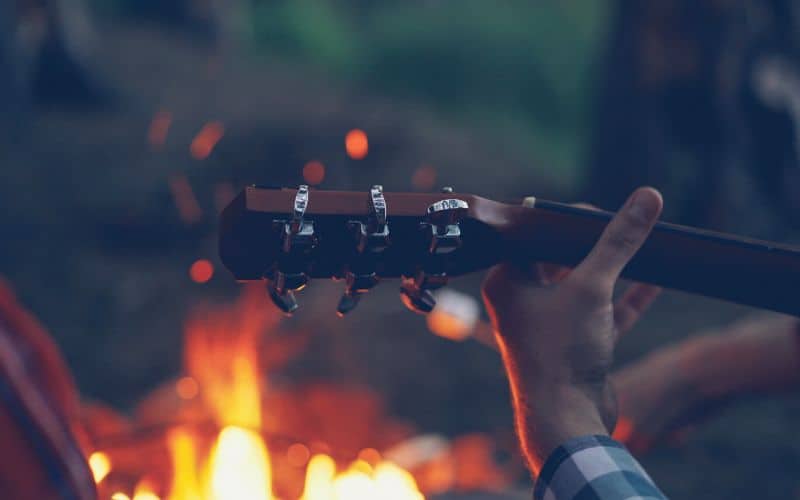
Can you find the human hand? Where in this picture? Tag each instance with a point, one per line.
(557, 328)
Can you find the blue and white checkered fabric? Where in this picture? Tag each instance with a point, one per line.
(594, 468)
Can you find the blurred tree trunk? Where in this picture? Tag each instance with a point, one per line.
(658, 97)
(12, 94)
(44, 56)
(677, 105)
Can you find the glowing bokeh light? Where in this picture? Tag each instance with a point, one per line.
(356, 144)
(202, 271)
(314, 172)
(187, 388)
(370, 455)
(424, 178)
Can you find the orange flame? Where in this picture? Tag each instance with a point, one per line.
(223, 375)
(221, 354)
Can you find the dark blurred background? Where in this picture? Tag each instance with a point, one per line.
(127, 124)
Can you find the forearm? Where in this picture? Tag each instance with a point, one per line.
(757, 355)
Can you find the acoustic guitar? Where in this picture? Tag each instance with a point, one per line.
(290, 236)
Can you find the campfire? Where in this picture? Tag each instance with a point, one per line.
(222, 431)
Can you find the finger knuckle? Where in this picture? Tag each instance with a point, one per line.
(625, 239)
(588, 287)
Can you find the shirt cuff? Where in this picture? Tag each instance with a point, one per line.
(593, 468)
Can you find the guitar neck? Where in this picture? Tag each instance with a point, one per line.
(741, 270)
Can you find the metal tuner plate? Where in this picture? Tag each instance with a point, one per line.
(443, 231)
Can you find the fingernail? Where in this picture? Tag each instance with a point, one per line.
(644, 205)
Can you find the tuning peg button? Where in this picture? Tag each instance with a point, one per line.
(282, 287)
(285, 301)
(418, 300)
(347, 303)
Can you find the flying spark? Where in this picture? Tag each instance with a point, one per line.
(185, 199)
(206, 140)
(159, 128)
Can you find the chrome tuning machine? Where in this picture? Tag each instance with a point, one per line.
(443, 230)
(298, 239)
(371, 238)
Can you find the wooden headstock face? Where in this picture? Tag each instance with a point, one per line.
(289, 236)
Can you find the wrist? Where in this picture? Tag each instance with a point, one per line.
(551, 414)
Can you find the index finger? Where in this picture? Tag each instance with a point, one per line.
(622, 238)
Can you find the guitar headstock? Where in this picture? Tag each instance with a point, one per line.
(289, 237)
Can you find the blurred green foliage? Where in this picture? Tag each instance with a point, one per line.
(519, 69)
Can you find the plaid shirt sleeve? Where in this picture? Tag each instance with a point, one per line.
(594, 468)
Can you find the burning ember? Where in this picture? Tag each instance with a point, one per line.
(208, 436)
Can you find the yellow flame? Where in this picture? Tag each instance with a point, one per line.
(222, 358)
(120, 496)
(184, 465)
(320, 474)
(144, 493)
(100, 465)
(240, 467)
(359, 482)
(394, 483)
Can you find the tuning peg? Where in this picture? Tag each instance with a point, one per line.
(357, 285)
(415, 298)
(285, 301)
(371, 239)
(298, 240)
(347, 303)
(442, 227)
